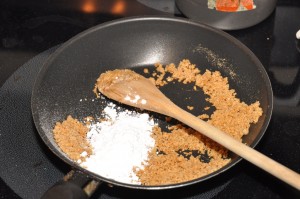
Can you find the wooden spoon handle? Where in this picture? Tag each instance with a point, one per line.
(285, 174)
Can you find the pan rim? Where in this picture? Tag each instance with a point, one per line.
(104, 25)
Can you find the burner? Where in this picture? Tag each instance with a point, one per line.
(29, 168)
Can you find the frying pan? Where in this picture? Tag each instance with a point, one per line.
(64, 84)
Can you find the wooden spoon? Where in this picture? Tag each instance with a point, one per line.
(130, 88)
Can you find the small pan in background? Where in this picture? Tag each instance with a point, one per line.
(198, 10)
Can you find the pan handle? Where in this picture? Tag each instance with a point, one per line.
(74, 185)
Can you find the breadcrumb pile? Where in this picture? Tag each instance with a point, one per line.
(70, 136)
(185, 154)
(181, 154)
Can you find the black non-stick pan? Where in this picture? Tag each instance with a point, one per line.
(65, 83)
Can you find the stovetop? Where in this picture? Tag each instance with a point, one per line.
(28, 28)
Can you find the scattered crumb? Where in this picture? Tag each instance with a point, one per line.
(159, 75)
(203, 116)
(146, 70)
(206, 108)
(88, 120)
(190, 107)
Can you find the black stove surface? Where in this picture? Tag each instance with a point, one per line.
(29, 28)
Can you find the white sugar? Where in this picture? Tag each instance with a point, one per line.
(135, 99)
(120, 144)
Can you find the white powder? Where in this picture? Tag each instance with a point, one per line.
(136, 99)
(120, 143)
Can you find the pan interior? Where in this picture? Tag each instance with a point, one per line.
(64, 85)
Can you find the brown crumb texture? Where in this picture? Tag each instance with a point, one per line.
(165, 165)
(185, 72)
(70, 135)
(231, 115)
(170, 167)
(159, 75)
(203, 116)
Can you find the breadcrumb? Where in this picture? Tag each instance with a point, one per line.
(203, 116)
(190, 107)
(181, 154)
(185, 154)
(70, 135)
(206, 108)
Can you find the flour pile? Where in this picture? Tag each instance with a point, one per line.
(121, 143)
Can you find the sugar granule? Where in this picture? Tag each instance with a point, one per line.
(120, 144)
